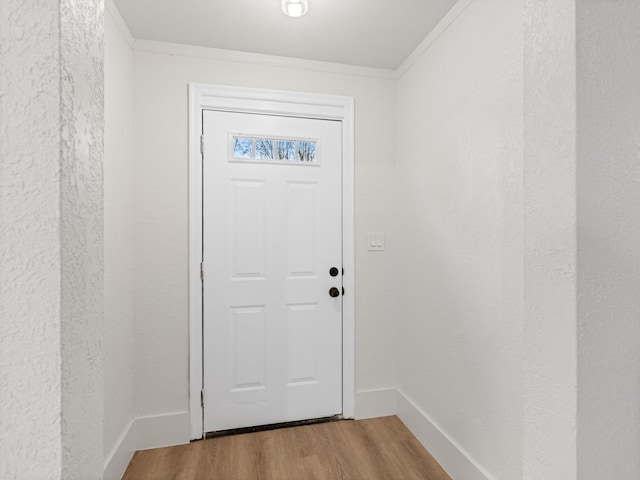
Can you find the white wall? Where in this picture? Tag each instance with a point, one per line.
(549, 362)
(608, 238)
(582, 260)
(30, 444)
(52, 290)
(119, 341)
(513, 224)
(460, 161)
(161, 208)
(81, 236)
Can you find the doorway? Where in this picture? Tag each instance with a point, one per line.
(271, 187)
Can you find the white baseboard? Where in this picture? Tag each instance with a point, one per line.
(158, 431)
(457, 463)
(162, 430)
(117, 461)
(144, 433)
(375, 403)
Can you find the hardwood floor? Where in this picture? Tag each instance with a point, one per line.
(378, 448)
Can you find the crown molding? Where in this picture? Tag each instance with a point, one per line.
(442, 26)
(112, 10)
(165, 48)
(235, 56)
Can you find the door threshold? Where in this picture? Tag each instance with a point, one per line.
(273, 426)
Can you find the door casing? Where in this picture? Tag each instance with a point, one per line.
(272, 102)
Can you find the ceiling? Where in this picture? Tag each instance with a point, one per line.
(372, 33)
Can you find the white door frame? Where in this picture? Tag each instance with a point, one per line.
(273, 102)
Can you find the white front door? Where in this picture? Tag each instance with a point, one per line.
(272, 259)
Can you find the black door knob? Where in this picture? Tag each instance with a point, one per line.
(333, 271)
(334, 292)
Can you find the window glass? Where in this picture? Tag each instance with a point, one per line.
(273, 150)
(307, 151)
(242, 147)
(286, 150)
(264, 148)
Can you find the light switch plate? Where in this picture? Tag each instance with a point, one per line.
(375, 241)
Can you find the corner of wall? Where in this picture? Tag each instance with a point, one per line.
(144, 433)
(162, 430)
(82, 236)
(391, 401)
(438, 30)
(118, 459)
(112, 10)
(118, 339)
(375, 403)
(455, 461)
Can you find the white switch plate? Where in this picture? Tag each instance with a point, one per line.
(375, 241)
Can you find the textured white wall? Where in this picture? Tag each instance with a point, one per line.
(582, 260)
(550, 241)
(119, 328)
(460, 229)
(81, 238)
(161, 222)
(52, 112)
(608, 281)
(30, 423)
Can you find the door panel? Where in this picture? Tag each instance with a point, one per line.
(248, 242)
(272, 229)
(301, 320)
(248, 325)
(302, 222)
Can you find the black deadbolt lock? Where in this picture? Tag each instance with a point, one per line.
(333, 271)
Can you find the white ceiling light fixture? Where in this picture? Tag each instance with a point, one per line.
(295, 8)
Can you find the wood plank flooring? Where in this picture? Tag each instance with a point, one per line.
(373, 449)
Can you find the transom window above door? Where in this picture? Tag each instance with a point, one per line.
(261, 149)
